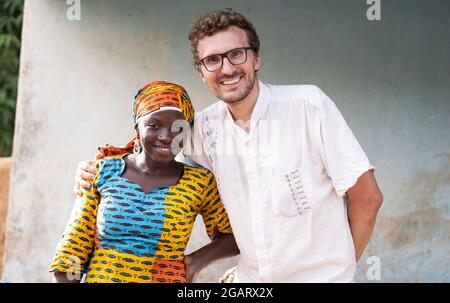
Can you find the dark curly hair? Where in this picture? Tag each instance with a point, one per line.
(216, 21)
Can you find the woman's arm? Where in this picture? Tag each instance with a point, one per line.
(219, 230)
(77, 243)
(223, 246)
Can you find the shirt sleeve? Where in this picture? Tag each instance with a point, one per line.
(77, 243)
(213, 212)
(343, 157)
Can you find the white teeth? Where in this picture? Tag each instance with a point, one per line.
(230, 82)
(163, 148)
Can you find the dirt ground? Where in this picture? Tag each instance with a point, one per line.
(5, 168)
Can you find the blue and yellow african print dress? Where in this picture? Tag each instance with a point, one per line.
(118, 233)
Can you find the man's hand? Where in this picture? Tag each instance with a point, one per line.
(63, 277)
(85, 172)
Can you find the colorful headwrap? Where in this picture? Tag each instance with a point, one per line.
(153, 97)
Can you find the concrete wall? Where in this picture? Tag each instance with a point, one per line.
(390, 79)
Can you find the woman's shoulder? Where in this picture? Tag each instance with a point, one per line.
(199, 172)
(109, 166)
(109, 162)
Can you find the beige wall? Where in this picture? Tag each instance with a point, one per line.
(5, 169)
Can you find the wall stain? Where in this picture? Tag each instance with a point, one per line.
(426, 214)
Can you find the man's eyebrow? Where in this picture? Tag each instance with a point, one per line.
(221, 52)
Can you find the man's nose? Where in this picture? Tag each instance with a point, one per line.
(227, 67)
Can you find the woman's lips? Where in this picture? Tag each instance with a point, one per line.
(164, 149)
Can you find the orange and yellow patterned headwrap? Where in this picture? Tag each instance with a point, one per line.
(155, 96)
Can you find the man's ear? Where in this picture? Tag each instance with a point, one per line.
(200, 72)
(257, 61)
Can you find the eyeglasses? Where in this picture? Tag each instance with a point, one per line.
(235, 56)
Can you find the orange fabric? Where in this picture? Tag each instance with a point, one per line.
(165, 271)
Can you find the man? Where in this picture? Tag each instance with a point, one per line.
(284, 158)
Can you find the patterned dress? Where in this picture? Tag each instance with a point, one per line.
(119, 233)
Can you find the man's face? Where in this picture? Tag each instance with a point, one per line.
(231, 83)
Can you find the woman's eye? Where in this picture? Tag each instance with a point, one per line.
(152, 125)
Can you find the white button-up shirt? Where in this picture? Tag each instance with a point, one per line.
(283, 183)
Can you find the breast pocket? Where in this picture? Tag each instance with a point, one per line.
(291, 193)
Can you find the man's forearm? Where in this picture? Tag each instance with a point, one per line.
(364, 200)
(62, 277)
(362, 221)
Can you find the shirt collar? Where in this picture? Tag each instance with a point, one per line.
(262, 104)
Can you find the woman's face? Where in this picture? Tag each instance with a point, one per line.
(156, 133)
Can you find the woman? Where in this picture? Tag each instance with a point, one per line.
(134, 222)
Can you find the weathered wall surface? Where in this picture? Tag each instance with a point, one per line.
(5, 170)
(390, 79)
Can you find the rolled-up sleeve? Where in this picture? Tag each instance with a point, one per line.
(343, 156)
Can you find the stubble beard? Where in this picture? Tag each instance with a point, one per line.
(234, 99)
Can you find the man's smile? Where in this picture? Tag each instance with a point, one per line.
(231, 82)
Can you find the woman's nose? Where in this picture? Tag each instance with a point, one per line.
(165, 136)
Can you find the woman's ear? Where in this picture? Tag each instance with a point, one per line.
(137, 126)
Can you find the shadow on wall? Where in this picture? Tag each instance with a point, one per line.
(5, 169)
